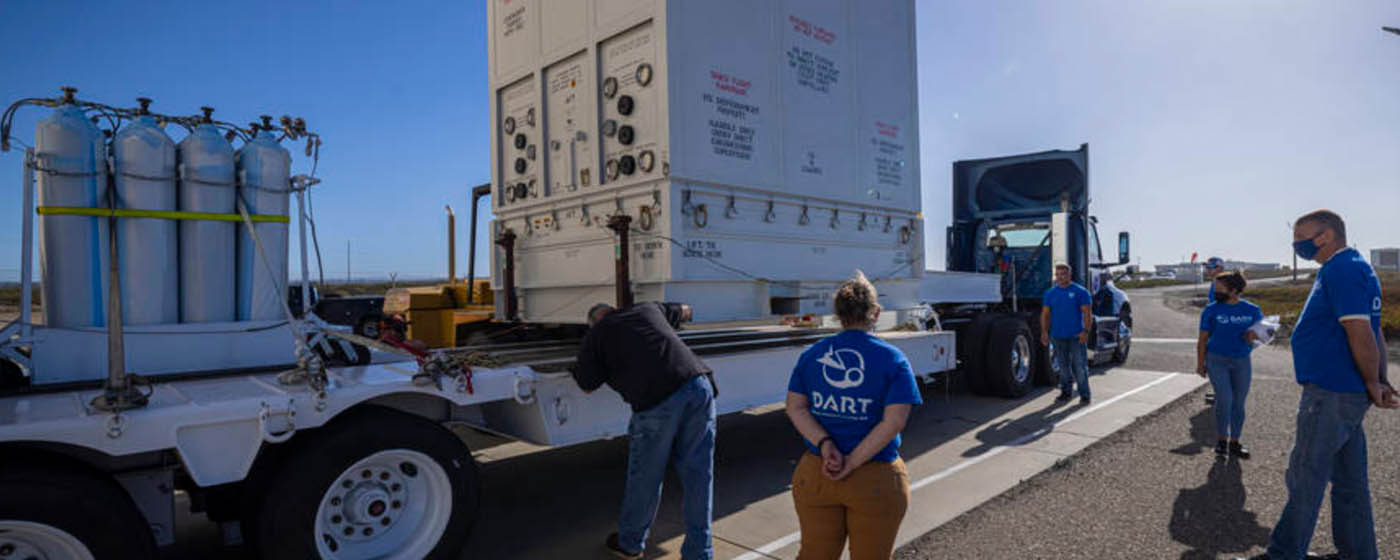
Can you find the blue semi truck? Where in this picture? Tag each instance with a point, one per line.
(1016, 216)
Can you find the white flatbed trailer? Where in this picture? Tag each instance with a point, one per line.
(252, 449)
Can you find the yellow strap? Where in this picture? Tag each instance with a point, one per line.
(159, 214)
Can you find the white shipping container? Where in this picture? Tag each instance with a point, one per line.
(764, 150)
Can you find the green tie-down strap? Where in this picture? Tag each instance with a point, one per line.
(158, 214)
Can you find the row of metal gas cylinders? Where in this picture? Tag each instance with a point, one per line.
(171, 271)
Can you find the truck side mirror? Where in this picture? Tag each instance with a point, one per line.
(1122, 247)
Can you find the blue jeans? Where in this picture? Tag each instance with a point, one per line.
(1330, 446)
(681, 431)
(1072, 358)
(1230, 377)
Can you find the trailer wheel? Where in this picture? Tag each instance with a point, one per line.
(972, 348)
(52, 510)
(1010, 358)
(377, 484)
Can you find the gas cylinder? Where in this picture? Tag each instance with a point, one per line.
(264, 179)
(72, 172)
(143, 159)
(207, 247)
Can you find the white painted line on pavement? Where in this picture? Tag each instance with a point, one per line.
(1165, 340)
(768, 549)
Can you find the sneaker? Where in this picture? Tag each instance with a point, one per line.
(616, 549)
(1083, 400)
(1239, 450)
(1222, 448)
(1064, 396)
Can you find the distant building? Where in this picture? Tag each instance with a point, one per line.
(1386, 259)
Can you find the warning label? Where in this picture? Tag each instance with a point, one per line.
(513, 22)
(731, 122)
(889, 155)
(813, 69)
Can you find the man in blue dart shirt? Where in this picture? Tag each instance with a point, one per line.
(1214, 266)
(1066, 321)
(1339, 358)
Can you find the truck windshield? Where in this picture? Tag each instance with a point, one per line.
(1022, 236)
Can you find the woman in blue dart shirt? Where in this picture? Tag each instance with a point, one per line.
(849, 396)
(1222, 351)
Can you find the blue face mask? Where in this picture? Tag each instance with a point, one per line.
(1306, 249)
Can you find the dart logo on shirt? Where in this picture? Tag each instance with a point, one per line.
(843, 369)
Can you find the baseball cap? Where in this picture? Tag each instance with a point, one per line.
(1214, 262)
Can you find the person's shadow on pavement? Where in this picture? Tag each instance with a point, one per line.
(1212, 520)
(1203, 434)
(1037, 423)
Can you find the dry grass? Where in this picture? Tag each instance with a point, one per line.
(1286, 300)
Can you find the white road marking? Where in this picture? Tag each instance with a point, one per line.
(768, 549)
(1165, 340)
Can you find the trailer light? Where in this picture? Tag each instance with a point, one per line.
(643, 74)
(646, 161)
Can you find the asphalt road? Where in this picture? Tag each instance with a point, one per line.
(1155, 489)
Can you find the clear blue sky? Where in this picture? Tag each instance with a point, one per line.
(1210, 123)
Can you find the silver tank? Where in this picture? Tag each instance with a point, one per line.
(207, 248)
(264, 172)
(72, 249)
(147, 248)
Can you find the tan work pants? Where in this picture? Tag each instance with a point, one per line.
(866, 506)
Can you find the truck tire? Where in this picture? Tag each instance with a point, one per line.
(1010, 358)
(49, 509)
(972, 344)
(378, 483)
(1125, 335)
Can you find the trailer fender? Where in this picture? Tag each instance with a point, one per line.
(219, 452)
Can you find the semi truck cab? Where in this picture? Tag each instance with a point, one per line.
(1018, 215)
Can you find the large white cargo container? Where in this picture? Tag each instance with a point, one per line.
(764, 150)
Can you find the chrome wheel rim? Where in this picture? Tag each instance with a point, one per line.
(392, 504)
(26, 539)
(1021, 359)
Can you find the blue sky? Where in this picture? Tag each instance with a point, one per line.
(1210, 124)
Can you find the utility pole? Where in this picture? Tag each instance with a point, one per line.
(347, 261)
(1289, 225)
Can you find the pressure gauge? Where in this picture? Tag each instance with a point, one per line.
(627, 165)
(646, 161)
(625, 105)
(611, 169)
(609, 87)
(609, 128)
(520, 165)
(520, 141)
(509, 126)
(625, 135)
(643, 74)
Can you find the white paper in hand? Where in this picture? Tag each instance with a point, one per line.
(1265, 330)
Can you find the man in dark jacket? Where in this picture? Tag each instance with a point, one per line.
(637, 353)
